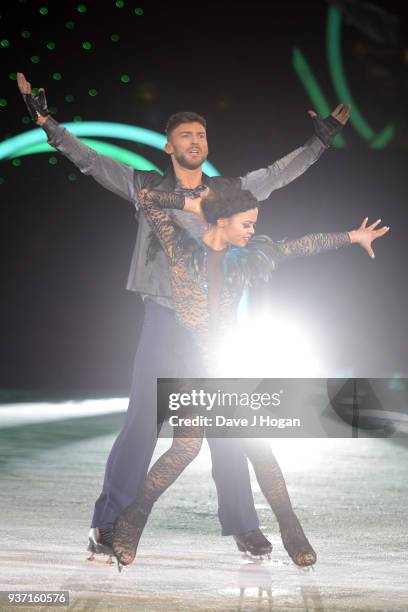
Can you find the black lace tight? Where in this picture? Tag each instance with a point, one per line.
(185, 447)
(273, 486)
(130, 523)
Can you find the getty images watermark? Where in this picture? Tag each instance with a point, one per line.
(287, 408)
(200, 399)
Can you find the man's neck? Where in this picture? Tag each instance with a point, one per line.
(190, 179)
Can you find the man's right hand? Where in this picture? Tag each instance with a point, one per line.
(36, 105)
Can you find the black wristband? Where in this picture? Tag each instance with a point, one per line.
(327, 129)
(36, 105)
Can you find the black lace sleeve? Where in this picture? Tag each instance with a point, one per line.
(312, 244)
(153, 203)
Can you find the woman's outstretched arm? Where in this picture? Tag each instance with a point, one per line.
(312, 244)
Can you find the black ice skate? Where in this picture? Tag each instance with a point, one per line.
(127, 532)
(296, 543)
(253, 543)
(100, 543)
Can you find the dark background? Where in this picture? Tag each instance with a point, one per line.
(68, 326)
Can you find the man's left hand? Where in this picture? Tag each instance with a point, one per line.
(328, 128)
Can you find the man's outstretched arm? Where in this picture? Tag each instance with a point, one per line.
(262, 182)
(121, 179)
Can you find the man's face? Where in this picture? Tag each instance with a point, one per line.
(188, 145)
(239, 228)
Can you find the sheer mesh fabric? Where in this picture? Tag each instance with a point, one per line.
(312, 244)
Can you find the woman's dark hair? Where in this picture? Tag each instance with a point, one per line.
(224, 204)
(183, 117)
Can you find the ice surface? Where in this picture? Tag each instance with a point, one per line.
(351, 496)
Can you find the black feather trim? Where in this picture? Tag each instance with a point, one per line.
(252, 264)
(242, 266)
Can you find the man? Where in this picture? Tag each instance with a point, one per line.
(161, 339)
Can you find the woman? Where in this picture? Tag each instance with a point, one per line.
(208, 277)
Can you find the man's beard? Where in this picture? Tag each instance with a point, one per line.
(189, 165)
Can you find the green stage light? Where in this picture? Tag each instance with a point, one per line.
(69, 98)
(120, 3)
(13, 76)
(52, 110)
(70, 25)
(43, 10)
(35, 59)
(125, 78)
(35, 91)
(92, 92)
(5, 42)
(339, 81)
(72, 177)
(114, 37)
(316, 95)
(57, 76)
(51, 46)
(139, 11)
(53, 160)
(3, 102)
(341, 87)
(77, 118)
(17, 145)
(81, 8)
(124, 155)
(16, 162)
(87, 45)
(26, 120)
(25, 34)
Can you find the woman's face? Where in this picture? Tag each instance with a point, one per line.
(239, 228)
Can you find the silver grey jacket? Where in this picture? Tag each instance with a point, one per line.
(150, 277)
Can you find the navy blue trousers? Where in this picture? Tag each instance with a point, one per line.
(162, 351)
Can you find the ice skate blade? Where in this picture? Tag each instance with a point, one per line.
(304, 569)
(96, 548)
(256, 558)
(96, 561)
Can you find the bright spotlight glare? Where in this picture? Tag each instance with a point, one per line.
(267, 347)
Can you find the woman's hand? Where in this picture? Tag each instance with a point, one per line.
(194, 204)
(364, 235)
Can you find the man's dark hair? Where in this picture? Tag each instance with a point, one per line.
(183, 117)
(221, 205)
